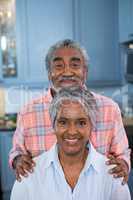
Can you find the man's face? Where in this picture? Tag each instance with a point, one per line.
(72, 128)
(67, 68)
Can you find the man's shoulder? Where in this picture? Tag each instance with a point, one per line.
(104, 100)
(36, 103)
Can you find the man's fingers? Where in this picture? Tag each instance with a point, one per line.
(116, 170)
(120, 169)
(125, 179)
(28, 160)
(25, 162)
(18, 177)
(28, 167)
(111, 155)
(122, 174)
(33, 163)
(118, 175)
(22, 171)
(111, 162)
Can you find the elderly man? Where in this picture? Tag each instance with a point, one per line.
(71, 169)
(67, 66)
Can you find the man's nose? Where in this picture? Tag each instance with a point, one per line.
(67, 70)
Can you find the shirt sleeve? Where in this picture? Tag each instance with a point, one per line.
(19, 191)
(119, 143)
(119, 191)
(18, 147)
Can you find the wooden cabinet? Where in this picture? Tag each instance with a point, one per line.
(6, 174)
(125, 20)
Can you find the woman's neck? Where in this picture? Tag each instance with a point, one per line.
(72, 160)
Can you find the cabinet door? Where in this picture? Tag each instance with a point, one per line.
(97, 30)
(125, 20)
(7, 176)
(1, 67)
(42, 24)
(8, 63)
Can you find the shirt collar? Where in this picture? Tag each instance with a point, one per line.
(93, 158)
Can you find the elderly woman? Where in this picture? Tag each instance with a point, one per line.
(72, 168)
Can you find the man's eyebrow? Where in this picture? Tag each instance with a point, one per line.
(75, 59)
(57, 59)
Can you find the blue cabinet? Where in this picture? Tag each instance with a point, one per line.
(126, 20)
(97, 30)
(6, 174)
(40, 24)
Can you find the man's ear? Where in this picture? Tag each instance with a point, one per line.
(85, 73)
(49, 75)
(53, 92)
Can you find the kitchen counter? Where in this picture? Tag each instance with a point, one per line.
(8, 122)
(4, 129)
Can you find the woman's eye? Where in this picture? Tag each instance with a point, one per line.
(82, 123)
(62, 122)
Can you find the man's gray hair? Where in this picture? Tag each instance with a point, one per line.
(82, 96)
(68, 43)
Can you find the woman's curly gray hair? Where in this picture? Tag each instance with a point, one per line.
(82, 96)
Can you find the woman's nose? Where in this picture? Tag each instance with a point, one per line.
(72, 129)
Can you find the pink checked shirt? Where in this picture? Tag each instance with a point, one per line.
(34, 131)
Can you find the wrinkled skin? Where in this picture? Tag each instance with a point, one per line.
(120, 170)
(23, 164)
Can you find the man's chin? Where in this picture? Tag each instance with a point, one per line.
(69, 83)
(67, 86)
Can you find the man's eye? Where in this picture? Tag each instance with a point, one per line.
(58, 65)
(75, 65)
